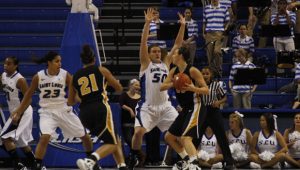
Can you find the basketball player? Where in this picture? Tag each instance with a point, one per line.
(154, 109)
(54, 112)
(186, 124)
(16, 135)
(89, 84)
(268, 139)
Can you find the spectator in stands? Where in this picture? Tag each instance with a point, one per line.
(268, 147)
(154, 26)
(297, 80)
(231, 24)
(291, 137)
(84, 6)
(284, 17)
(215, 22)
(294, 5)
(263, 15)
(243, 41)
(238, 134)
(209, 153)
(192, 28)
(242, 94)
(128, 101)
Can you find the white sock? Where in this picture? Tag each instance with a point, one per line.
(96, 155)
(121, 165)
(182, 154)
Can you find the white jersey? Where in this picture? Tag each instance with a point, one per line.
(151, 79)
(241, 138)
(267, 143)
(12, 93)
(293, 152)
(52, 89)
(209, 144)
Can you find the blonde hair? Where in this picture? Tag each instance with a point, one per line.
(242, 51)
(237, 118)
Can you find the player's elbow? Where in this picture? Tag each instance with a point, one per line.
(119, 88)
(205, 90)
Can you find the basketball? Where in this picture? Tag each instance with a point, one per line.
(180, 81)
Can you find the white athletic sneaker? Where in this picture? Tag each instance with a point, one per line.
(287, 165)
(182, 164)
(85, 164)
(193, 166)
(218, 165)
(254, 165)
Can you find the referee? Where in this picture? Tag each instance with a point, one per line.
(213, 118)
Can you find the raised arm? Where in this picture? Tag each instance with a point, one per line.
(178, 40)
(168, 83)
(144, 58)
(112, 81)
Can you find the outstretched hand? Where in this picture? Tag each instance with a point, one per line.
(181, 18)
(149, 15)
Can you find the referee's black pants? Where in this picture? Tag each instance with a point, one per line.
(214, 119)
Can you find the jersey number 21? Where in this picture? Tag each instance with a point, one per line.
(87, 84)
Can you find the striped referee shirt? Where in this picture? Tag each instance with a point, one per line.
(192, 28)
(215, 90)
(153, 31)
(283, 20)
(215, 17)
(297, 73)
(233, 71)
(246, 43)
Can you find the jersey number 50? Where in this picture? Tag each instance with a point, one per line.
(158, 77)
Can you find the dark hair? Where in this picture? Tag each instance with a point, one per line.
(87, 54)
(270, 121)
(242, 25)
(190, 8)
(155, 8)
(210, 70)
(15, 61)
(284, 1)
(48, 57)
(184, 51)
(152, 46)
(292, 129)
